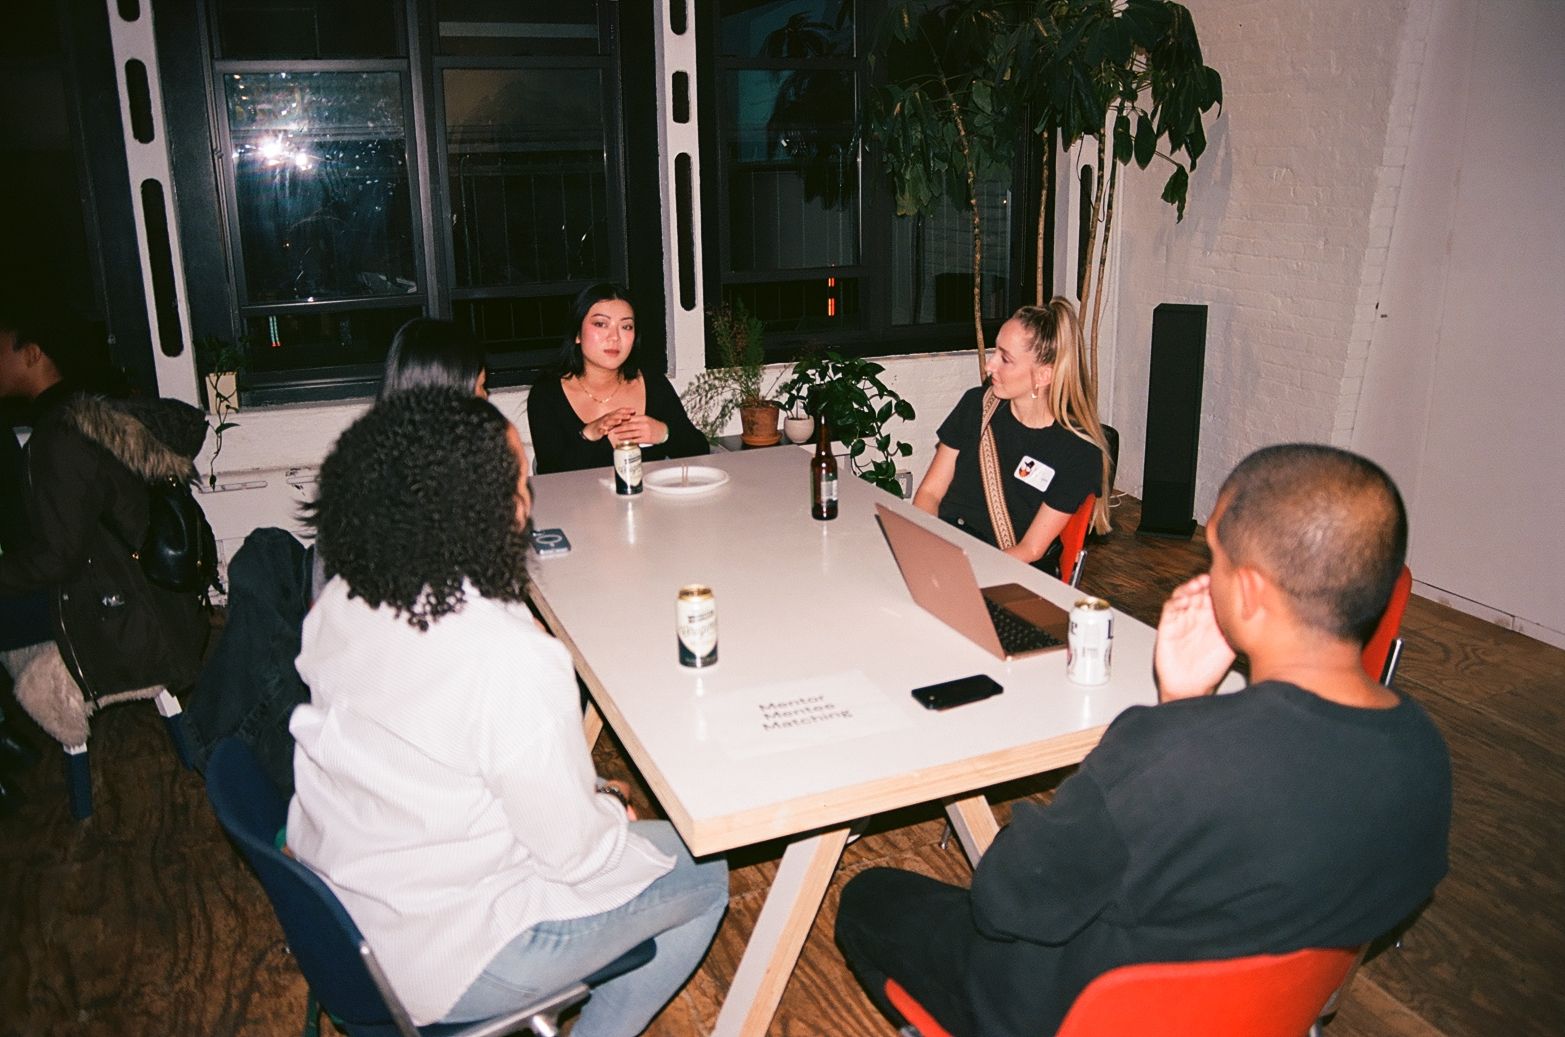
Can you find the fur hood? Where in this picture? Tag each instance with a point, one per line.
(155, 439)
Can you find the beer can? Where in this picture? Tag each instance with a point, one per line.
(1091, 642)
(627, 469)
(695, 625)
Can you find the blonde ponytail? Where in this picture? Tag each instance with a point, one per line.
(1057, 341)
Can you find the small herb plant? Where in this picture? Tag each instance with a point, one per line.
(739, 379)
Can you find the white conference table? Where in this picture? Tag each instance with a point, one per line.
(804, 608)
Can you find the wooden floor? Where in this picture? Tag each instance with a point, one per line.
(141, 920)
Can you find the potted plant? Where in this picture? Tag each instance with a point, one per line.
(798, 424)
(847, 396)
(219, 362)
(965, 80)
(737, 382)
(944, 116)
(1129, 77)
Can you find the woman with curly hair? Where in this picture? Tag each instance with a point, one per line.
(601, 395)
(1019, 454)
(443, 788)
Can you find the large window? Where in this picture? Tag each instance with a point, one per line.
(463, 163)
(483, 160)
(806, 236)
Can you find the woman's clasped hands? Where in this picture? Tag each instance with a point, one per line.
(624, 425)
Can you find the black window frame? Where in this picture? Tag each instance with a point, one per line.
(421, 70)
(518, 367)
(875, 334)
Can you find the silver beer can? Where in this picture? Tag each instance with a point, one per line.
(627, 469)
(1091, 642)
(695, 625)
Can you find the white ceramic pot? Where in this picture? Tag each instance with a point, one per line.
(798, 430)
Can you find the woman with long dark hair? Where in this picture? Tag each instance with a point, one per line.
(440, 353)
(601, 395)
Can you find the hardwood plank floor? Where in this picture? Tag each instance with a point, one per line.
(141, 920)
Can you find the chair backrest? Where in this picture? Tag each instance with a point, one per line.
(325, 942)
(1267, 995)
(1378, 648)
(1073, 540)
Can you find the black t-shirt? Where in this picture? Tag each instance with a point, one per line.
(1052, 466)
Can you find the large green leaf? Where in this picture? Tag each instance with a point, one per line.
(1175, 189)
(1122, 141)
(1146, 141)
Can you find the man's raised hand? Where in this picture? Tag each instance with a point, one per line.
(1191, 654)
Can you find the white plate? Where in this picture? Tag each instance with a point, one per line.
(679, 479)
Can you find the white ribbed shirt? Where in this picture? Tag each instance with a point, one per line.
(444, 791)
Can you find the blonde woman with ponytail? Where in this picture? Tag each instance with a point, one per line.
(1032, 432)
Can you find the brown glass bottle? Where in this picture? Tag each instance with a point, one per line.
(823, 479)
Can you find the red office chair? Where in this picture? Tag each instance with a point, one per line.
(1384, 649)
(1267, 995)
(1073, 542)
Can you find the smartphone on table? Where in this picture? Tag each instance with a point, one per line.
(550, 542)
(958, 692)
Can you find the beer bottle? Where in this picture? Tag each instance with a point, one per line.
(823, 480)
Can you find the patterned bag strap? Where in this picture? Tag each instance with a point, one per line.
(993, 478)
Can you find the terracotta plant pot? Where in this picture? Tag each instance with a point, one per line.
(760, 424)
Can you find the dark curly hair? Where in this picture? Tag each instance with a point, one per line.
(419, 495)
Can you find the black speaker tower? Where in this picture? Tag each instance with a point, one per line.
(1173, 420)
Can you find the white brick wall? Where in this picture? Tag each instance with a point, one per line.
(1284, 237)
(1382, 214)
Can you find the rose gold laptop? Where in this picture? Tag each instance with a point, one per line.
(1007, 620)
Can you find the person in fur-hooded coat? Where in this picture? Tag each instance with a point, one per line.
(87, 468)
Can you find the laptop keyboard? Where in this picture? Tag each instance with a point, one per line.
(1016, 634)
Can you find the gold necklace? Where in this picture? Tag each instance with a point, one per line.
(603, 401)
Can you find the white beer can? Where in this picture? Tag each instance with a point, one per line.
(1091, 642)
(695, 626)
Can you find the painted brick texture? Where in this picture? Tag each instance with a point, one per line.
(1284, 237)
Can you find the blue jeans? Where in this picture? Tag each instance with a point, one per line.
(681, 910)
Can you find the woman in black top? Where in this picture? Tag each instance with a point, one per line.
(603, 397)
(1049, 447)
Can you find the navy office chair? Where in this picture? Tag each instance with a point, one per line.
(333, 956)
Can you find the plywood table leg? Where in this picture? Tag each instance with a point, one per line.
(973, 820)
(591, 724)
(791, 905)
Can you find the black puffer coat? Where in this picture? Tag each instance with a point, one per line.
(88, 465)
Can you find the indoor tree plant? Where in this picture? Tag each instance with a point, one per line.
(848, 398)
(942, 114)
(965, 79)
(737, 381)
(1127, 75)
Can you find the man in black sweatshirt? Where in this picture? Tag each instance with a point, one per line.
(1310, 809)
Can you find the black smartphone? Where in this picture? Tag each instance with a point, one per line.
(550, 542)
(958, 692)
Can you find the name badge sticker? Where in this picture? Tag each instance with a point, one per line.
(1034, 473)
